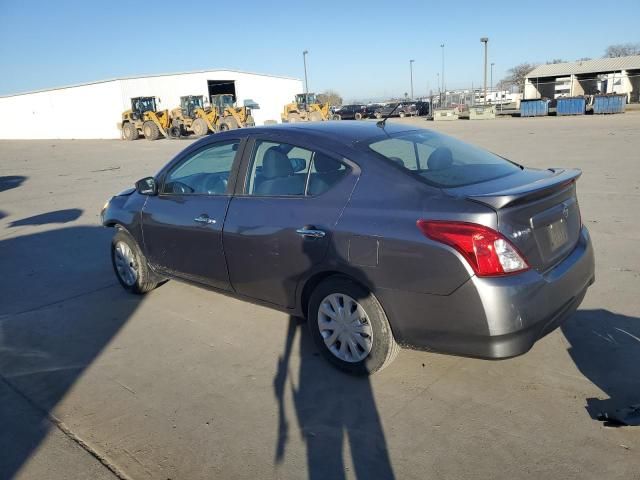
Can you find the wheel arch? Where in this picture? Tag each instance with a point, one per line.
(316, 279)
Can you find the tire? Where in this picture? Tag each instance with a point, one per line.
(200, 127)
(175, 131)
(126, 255)
(378, 115)
(315, 117)
(358, 116)
(229, 124)
(374, 331)
(250, 122)
(150, 130)
(129, 131)
(293, 118)
(401, 114)
(336, 117)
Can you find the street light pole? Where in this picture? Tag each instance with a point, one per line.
(411, 73)
(485, 40)
(306, 84)
(443, 88)
(491, 83)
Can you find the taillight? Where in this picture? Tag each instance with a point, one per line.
(488, 252)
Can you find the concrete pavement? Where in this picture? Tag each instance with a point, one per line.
(185, 383)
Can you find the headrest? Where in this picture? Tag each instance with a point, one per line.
(325, 164)
(276, 164)
(440, 158)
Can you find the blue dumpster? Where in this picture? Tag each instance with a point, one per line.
(534, 108)
(571, 106)
(609, 103)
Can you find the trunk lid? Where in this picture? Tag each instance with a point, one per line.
(537, 210)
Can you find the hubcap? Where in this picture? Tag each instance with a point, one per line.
(345, 327)
(125, 263)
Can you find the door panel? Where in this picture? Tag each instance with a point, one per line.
(265, 254)
(179, 245)
(182, 226)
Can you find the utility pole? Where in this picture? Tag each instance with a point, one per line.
(306, 83)
(485, 40)
(443, 87)
(491, 84)
(411, 73)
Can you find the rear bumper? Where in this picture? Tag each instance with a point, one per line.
(493, 317)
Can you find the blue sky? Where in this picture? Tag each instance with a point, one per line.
(359, 48)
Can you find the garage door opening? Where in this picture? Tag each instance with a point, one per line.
(221, 87)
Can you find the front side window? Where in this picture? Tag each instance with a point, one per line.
(281, 169)
(442, 161)
(205, 173)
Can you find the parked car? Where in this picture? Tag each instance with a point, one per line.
(423, 108)
(370, 110)
(403, 110)
(379, 235)
(350, 112)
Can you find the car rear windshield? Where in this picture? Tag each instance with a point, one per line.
(442, 161)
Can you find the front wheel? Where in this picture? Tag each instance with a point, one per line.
(130, 264)
(350, 327)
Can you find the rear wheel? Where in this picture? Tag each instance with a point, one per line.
(401, 114)
(130, 264)
(150, 130)
(200, 127)
(315, 117)
(228, 123)
(358, 116)
(378, 115)
(129, 131)
(350, 327)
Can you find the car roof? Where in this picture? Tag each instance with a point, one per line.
(345, 132)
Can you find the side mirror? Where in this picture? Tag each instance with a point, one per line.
(147, 186)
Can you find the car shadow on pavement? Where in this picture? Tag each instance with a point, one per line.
(605, 347)
(60, 305)
(332, 408)
(11, 181)
(58, 216)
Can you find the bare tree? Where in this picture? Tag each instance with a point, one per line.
(517, 74)
(331, 97)
(622, 50)
(556, 60)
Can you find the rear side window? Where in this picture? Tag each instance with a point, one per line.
(442, 161)
(281, 169)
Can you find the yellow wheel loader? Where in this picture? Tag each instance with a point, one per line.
(306, 108)
(192, 117)
(143, 118)
(229, 116)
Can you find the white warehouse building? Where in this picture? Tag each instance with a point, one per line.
(94, 110)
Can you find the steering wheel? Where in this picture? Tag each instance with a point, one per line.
(215, 185)
(179, 187)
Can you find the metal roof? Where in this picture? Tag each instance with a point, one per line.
(8, 95)
(586, 66)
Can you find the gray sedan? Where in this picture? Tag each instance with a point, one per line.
(379, 235)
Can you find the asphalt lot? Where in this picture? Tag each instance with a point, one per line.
(185, 383)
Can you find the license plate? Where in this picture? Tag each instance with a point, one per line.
(558, 235)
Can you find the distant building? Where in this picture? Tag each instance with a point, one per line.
(604, 75)
(94, 110)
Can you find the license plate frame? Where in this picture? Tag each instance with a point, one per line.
(558, 234)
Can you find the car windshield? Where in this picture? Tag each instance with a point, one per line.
(442, 161)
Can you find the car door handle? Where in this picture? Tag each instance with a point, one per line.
(310, 232)
(204, 219)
